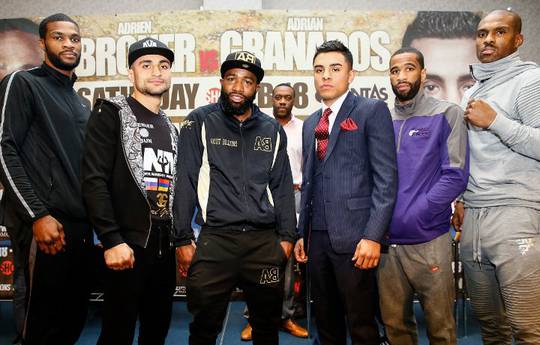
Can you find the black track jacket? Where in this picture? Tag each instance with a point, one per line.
(236, 173)
(42, 127)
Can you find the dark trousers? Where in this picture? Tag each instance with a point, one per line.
(253, 260)
(59, 289)
(144, 292)
(21, 239)
(344, 297)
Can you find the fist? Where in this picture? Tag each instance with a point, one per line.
(479, 113)
(119, 257)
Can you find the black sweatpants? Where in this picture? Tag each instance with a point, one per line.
(224, 259)
(144, 292)
(59, 289)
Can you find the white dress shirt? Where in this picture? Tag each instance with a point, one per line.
(336, 106)
(293, 129)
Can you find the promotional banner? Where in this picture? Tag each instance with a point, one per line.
(6, 272)
(284, 41)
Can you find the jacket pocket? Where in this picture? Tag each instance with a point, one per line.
(424, 213)
(359, 203)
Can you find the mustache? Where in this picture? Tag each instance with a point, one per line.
(71, 51)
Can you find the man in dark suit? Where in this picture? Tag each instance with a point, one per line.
(348, 193)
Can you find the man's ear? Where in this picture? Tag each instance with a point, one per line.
(518, 41)
(423, 75)
(130, 75)
(352, 74)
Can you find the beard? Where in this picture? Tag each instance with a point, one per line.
(58, 63)
(413, 90)
(154, 92)
(235, 109)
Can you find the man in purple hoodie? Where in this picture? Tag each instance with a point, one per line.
(432, 156)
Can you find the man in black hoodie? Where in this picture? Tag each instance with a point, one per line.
(234, 168)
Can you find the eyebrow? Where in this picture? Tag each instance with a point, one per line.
(331, 65)
(504, 26)
(65, 33)
(464, 78)
(461, 79)
(406, 64)
(435, 77)
(150, 61)
(238, 76)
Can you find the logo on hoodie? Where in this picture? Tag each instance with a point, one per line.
(419, 132)
(263, 144)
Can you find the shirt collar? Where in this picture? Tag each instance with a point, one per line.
(292, 121)
(336, 106)
(62, 78)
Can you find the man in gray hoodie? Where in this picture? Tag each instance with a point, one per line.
(500, 210)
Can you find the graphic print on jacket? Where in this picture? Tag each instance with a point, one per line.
(158, 158)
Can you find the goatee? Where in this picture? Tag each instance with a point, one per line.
(61, 65)
(414, 88)
(233, 109)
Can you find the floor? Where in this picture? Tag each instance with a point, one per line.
(233, 324)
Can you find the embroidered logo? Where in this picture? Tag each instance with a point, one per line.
(263, 144)
(419, 132)
(245, 56)
(269, 275)
(186, 124)
(149, 44)
(524, 244)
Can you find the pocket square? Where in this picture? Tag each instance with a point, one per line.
(348, 125)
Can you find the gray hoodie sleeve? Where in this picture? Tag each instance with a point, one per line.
(524, 137)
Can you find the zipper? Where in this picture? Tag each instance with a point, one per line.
(135, 180)
(399, 135)
(244, 190)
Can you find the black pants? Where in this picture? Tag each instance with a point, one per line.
(344, 296)
(144, 292)
(253, 260)
(20, 235)
(59, 289)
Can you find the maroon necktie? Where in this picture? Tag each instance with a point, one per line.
(321, 134)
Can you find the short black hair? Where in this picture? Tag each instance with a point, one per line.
(18, 24)
(58, 17)
(335, 46)
(441, 24)
(286, 85)
(418, 53)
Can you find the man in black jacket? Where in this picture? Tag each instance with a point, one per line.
(41, 135)
(234, 168)
(128, 178)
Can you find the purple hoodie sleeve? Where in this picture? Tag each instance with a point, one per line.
(454, 161)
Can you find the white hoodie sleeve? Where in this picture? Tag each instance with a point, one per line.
(524, 137)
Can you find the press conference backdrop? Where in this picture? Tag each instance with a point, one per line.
(285, 41)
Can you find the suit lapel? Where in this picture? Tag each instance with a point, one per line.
(344, 111)
(310, 131)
